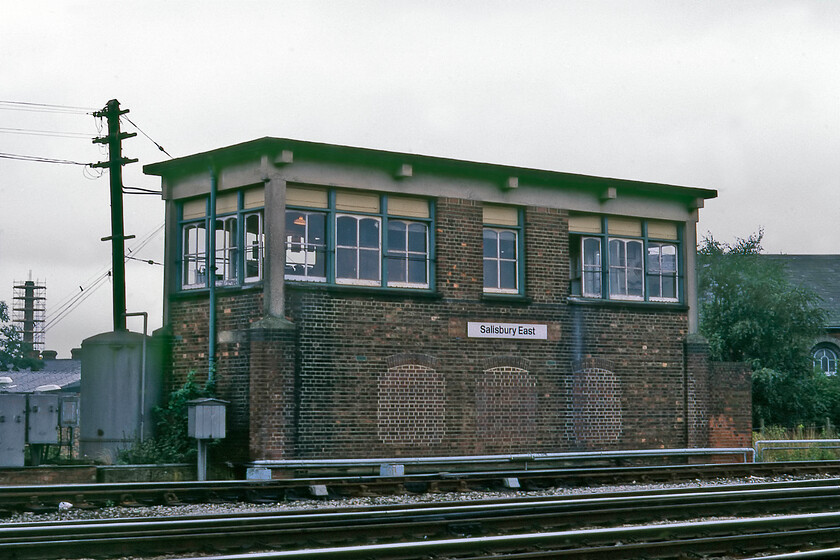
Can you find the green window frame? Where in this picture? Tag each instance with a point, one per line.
(646, 267)
(239, 246)
(384, 249)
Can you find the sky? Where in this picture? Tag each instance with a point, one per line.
(741, 97)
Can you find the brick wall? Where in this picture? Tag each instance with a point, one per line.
(361, 373)
(730, 409)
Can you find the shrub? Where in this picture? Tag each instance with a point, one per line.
(171, 443)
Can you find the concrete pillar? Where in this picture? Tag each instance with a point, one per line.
(275, 243)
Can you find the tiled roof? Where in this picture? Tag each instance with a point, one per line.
(67, 374)
(820, 273)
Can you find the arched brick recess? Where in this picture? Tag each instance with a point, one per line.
(596, 403)
(506, 404)
(412, 396)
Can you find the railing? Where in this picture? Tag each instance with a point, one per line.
(763, 445)
(528, 460)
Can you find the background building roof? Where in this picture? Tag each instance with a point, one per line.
(67, 374)
(820, 273)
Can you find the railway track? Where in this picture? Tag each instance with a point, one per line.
(617, 525)
(46, 498)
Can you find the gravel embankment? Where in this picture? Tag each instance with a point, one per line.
(310, 504)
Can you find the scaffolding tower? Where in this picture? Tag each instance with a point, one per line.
(28, 313)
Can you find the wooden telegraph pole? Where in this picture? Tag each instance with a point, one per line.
(114, 164)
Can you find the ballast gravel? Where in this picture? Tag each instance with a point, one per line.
(113, 512)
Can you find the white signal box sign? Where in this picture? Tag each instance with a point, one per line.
(519, 331)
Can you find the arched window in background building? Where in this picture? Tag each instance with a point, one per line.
(825, 358)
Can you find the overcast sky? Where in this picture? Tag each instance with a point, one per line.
(742, 97)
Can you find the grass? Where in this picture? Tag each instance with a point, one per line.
(805, 451)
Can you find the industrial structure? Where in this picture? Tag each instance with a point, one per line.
(28, 313)
(351, 302)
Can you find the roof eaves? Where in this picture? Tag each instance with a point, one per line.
(271, 145)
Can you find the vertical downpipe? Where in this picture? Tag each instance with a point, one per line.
(211, 268)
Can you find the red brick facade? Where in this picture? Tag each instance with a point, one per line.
(367, 373)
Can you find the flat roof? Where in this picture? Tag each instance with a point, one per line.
(273, 146)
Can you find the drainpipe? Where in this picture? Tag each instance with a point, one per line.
(142, 370)
(211, 269)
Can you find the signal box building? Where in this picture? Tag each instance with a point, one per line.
(364, 303)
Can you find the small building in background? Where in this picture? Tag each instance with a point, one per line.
(40, 409)
(819, 273)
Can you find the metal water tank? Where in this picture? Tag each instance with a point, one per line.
(118, 392)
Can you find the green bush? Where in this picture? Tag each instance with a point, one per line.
(171, 443)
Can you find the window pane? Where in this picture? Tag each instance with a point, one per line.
(618, 281)
(669, 287)
(654, 286)
(346, 231)
(592, 252)
(345, 263)
(669, 258)
(592, 284)
(617, 257)
(369, 233)
(396, 236)
(316, 229)
(417, 270)
(634, 281)
(653, 259)
(507, 245)
(253, 246)
(490, 244)
(507, 275)
(396, 269)
(368, 264)
(417, 238)
(634, 254)
(491, 273)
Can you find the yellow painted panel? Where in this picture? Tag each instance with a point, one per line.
(306, 196)
(662, 230)
(585, 223)
(356, 201)
(624, 226)
(405, 206)
(227, 203)
(195, 208)
(254, 198)
(501, 215)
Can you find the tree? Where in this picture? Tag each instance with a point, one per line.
(12, 352)
(751, 312)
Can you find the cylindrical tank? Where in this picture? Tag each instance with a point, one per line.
(117, 393)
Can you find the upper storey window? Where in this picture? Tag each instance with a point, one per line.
(502, 250)
(357, 238)
(237, 240)
(627, 259)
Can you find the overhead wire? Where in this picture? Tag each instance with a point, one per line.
(39, 159)
(54, 133)
(72, 302)
(44, 107)
(159, 147)
(140, 190)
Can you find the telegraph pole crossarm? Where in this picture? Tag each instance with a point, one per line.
(114, 139)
